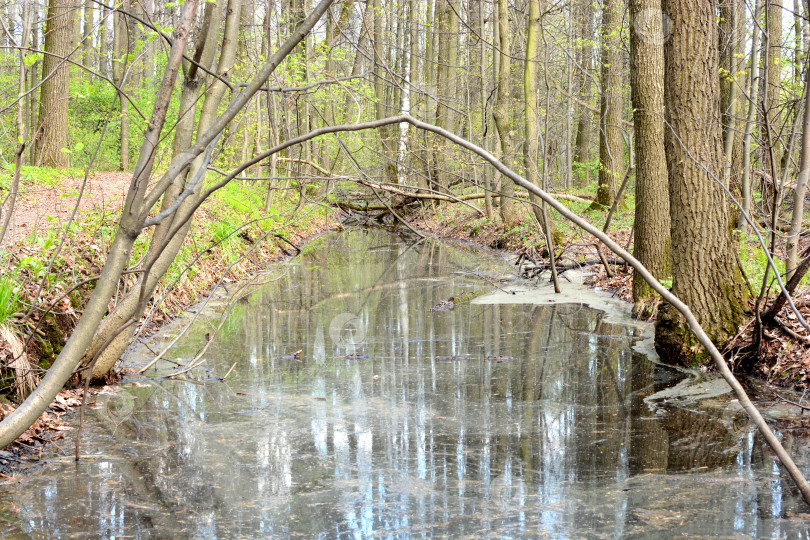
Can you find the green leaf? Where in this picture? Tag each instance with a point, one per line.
(31, 59)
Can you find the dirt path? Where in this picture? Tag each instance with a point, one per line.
(41, 208)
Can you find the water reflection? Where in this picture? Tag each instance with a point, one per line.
(484, 421)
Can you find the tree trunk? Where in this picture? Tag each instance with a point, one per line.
(87, 30)
(651, 227)
(500, 111)
(117, 259)
(119, 70)
(797, 218)
(163, 256)
(753, 86)
(773, 83)
(611, 142)
(704, 272)
(531, 137)
(582, 144)
(732, 34)
(51, 139)
(386, 133)
(447, 54)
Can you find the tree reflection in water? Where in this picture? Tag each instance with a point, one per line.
(487, 420)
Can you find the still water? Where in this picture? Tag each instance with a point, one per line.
(355, 410)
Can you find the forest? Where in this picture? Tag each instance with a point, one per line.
(152, 151)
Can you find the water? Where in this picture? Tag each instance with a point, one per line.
(355, 412)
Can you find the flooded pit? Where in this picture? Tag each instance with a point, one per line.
(355, 411)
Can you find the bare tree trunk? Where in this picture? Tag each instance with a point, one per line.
(531, 140)
(101, 50)
(732, 33)
(651, 227)
(52, 129)
(447, 28)
(704, 272)
(611, 142)
(500, 112)
(160, 255)
(119, 69)
(753, 86)
(584, 59)
(87, 44)
(386, 135)
(799, 193)
(10, 200)
(773, 90)
(149, 45)
(117, 259)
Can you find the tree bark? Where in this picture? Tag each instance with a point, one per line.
(732, 34)
(531, 138)
(117, 259)
(611, 142)
(704, 271)
(773, 81)
(51, 139)
(447, 54)
(500, 111)
(119, 69)
(385, 132)
(582, 144)
(753, 86)
(162, 255)
(799, 193)
(651, 227)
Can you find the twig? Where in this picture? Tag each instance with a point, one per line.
(229, 371)
(802, 407)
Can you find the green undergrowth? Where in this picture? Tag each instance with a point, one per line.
(754, 263)
(37, 176)
(9, 298)
(231, 236)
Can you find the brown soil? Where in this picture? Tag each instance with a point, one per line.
(41, 208)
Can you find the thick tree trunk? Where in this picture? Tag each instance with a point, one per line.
(611, 143)
(52, 128)
(704, 272)
(651, 226)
